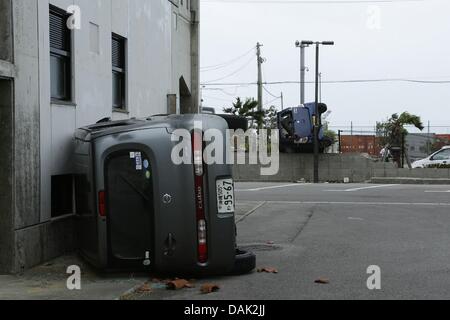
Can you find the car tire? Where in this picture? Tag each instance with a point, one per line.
(245, 262)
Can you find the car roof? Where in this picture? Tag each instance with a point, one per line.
(170, 122)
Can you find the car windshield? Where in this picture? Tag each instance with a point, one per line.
(442, 155)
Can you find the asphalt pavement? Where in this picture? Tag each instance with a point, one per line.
(334, 232)
(331, 232)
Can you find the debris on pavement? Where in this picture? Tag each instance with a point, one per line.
(322, 281)
(267, 270)
(145, 288)
(209, 288)
(179, 284)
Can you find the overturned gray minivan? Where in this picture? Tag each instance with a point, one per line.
(136, 209)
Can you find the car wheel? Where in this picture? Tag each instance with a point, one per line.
(245, 262)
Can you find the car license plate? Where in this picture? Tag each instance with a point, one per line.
(225, 196)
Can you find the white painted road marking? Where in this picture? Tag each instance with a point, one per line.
(273, 187)
(245, 216)
(364, 188)
(417, 204)
(355, 219)
(437, 191)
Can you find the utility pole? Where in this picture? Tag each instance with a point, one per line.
(320, 87)
(260, 85)
(282, 101)
(302, 74)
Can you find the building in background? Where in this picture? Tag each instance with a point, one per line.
(128, 58)
(369, 144)
(441, 141)
(419, 145)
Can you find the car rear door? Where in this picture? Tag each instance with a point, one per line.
(129, 201)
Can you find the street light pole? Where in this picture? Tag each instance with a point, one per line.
(316, 120)
(317, 117)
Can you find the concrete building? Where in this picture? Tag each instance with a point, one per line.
(419, 145)
(119, 59)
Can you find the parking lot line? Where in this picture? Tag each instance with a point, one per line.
(414, 204)
(245, 216)
(364, 188)
(272, 187)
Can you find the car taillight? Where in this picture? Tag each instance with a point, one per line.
(101, 204)
(202, 230)
(197, 147)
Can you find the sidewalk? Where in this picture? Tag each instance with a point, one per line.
(410, 180)
(48, 282)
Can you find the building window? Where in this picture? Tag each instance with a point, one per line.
(60, 55)
(118, 72)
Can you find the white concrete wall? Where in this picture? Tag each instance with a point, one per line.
(158, 54)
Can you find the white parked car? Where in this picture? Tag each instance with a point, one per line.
(442, 157)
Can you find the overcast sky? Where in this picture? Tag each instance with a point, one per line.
(374, 40)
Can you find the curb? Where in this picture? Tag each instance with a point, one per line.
(424, 181)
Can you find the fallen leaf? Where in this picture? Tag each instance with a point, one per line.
(209, 288)
(178, 284)
(322, 281)
(145, 288)
(267, 270)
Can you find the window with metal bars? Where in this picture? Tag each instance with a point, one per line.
(60, 55)
(118, 72)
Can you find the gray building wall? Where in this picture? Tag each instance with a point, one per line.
(417, 144)
(159, 37)
(6, 30)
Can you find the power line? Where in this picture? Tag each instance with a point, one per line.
(270, 93)
(231, 74)
(336, 82)
(268, 103)
(218, 99)
(225, 64)
(224, 91)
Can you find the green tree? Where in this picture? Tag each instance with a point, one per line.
(393, 131)
(248, 109)
(331, 134)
